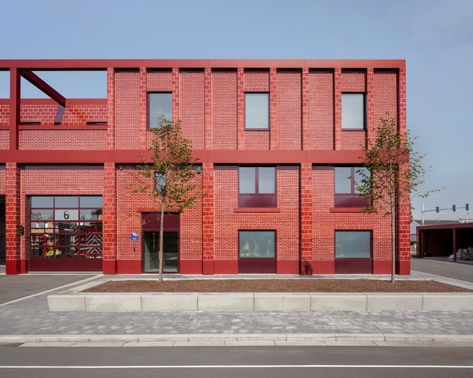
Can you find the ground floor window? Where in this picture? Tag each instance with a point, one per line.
(257, 251)
(65, 227)
(353, 252)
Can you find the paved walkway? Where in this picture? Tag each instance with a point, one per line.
(32, 317)
(449, 269)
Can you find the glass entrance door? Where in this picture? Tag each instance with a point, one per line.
(171, 252)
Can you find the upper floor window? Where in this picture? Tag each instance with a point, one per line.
(257, 111)
(346, 193)
(257, 187)
(353, 111)
(159, 108)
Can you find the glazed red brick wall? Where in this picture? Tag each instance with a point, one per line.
(59, 139)
(14, 263)
(44, 111)
(159, 80)
(284, 219)
(127, 110)
(319, 130)
(191, 106)
(129, 208)
(4, 139)
(2, 179)
(4, 114)
(224, 110)
(385, 95)
(354, 81)
(327, 219)
(288, 110)
(56, 180)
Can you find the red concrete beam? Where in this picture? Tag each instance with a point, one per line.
(43, 86)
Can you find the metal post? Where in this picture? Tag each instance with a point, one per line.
(423, 213)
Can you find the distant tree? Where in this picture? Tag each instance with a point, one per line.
(168, 177)
(394, 171)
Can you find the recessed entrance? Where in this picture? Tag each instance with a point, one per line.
(151, 233)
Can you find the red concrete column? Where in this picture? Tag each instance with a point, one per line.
(306, 218)
(337, 102)
(143, 109)
(175, 95)
(208, 108)
(273, 127)
(240, 109)
(208, 252)
(110, 108)
(15, 99)
(404, 257)
(305, 109)
(12, 220)
(109, 220)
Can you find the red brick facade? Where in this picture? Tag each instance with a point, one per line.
(93, 149)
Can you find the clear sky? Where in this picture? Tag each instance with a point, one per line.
(434, 36)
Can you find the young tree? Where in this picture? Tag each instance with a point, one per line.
(168, 176)
(394, 172)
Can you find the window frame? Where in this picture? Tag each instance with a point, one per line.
(364, 112)
(351, 199)
(353, 265)
(267, 93)
(148, 107)
(274, 232)
(256, 199)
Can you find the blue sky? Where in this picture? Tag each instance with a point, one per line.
(435, 38)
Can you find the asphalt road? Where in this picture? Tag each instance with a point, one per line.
(208, 362)
(19, 286)
(449, 269)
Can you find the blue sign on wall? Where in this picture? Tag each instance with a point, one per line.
(134, 236)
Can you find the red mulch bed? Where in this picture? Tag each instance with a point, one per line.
(276, 285)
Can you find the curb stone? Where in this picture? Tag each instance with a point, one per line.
(240, 340)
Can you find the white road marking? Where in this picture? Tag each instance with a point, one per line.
(50, 290)
(234, 366)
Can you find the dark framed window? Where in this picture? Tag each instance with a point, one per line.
(257, 244)
(353, 244)
(159, 108)
(256, 186)
(346, 193)
(66, 227)
(353, 111)
(257, 111)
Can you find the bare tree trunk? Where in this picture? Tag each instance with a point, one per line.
(161, 244)
(393, 243)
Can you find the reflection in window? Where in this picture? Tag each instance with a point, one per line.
(347, 180)
(256, 111)
(353, 111)
(257, 187)
(159, 109)
(352, 244)
(257, 244)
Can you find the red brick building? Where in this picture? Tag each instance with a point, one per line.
(279, 142)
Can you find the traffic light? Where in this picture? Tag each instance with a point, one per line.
(467, 206)
(437, 209)
(454, 207)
